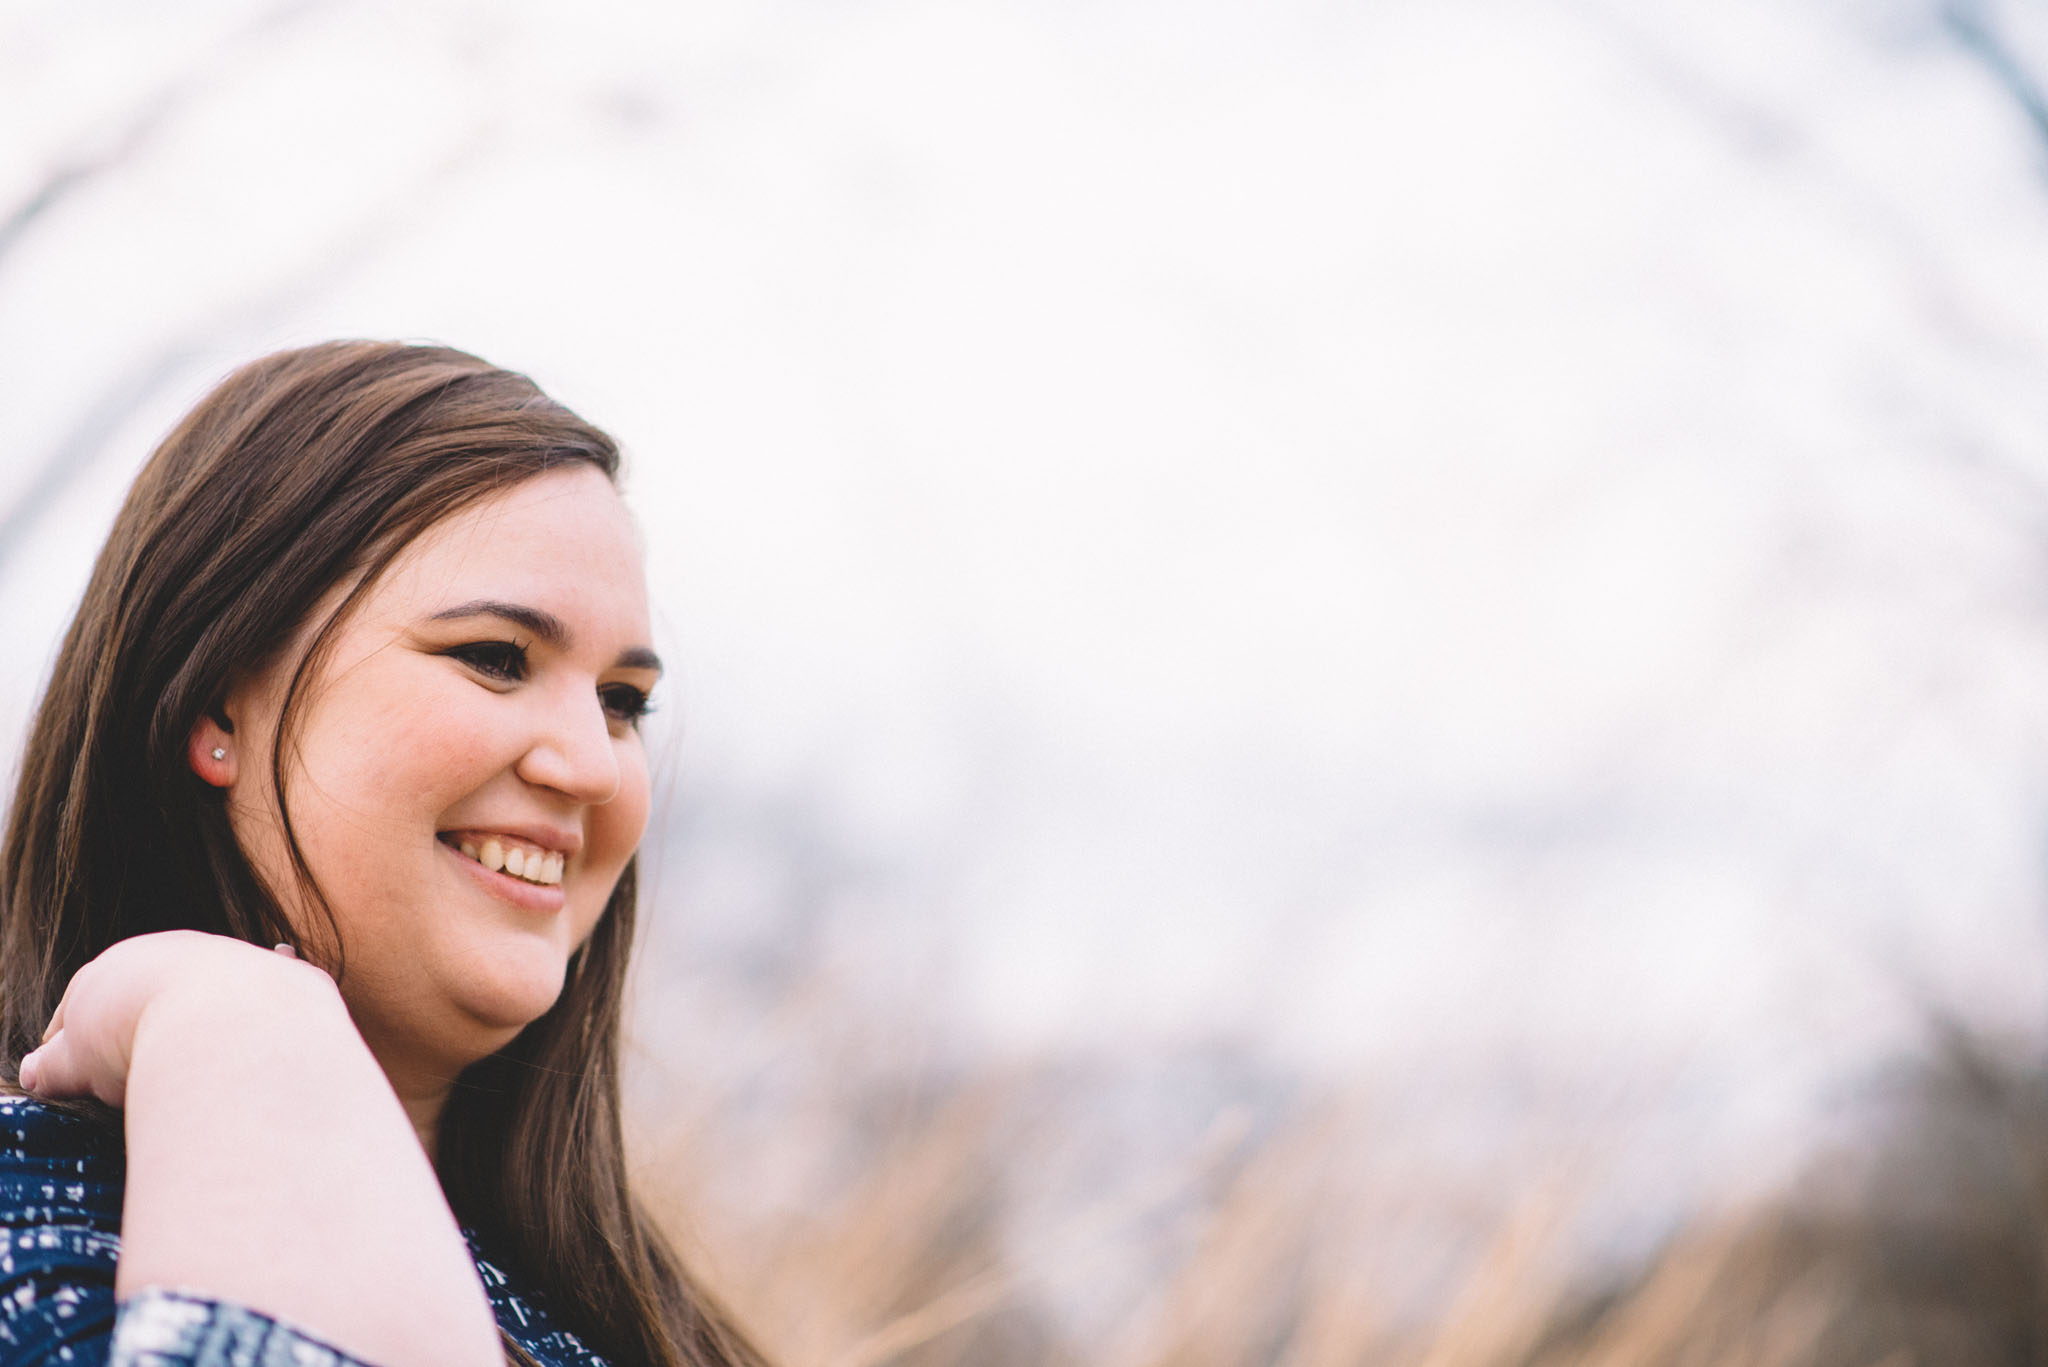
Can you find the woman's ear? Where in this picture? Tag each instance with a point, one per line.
(211, 749)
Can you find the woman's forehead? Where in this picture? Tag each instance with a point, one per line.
(562, 542)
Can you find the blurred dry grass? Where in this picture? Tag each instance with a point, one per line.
(1287, 1246)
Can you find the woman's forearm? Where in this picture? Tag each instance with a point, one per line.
(270, 1164)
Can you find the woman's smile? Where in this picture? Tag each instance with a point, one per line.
(507, 886)
(531, 860)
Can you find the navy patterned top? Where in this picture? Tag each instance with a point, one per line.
(60, 1232)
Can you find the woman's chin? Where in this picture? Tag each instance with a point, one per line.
(506, 1004)
(478, 1016)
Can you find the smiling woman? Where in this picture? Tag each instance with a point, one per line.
(358, 675)
(482, 694)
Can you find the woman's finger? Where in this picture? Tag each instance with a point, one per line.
(36, 1071)
(54, 1070)
(29, 1074)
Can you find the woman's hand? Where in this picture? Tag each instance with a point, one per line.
(269, 1162)
(90, 1041)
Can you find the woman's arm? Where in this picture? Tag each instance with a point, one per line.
(269, 1163)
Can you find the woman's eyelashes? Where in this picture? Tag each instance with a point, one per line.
(623, 702)
(506, 662)
(503, 660)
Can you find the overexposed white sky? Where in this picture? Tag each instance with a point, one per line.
(1433, 537)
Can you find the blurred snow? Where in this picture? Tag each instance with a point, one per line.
(1441, 542)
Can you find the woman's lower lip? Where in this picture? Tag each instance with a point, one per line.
(543, 897)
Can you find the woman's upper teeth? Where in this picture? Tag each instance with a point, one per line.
(503, 853)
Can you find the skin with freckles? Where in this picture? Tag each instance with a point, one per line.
(488, 685)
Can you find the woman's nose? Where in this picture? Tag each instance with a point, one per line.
(572, 751)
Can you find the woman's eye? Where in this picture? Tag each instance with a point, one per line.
(623, 702)
(495, 659)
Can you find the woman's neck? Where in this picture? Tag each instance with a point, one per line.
(425, 1114)
(422, 1090)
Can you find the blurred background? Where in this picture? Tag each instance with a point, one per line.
(1351, 680)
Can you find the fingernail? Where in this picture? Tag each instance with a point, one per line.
(288, 951)
(29, 1068)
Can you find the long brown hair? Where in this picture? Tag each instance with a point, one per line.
(300, 471)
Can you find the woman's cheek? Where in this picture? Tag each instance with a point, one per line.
(634, 794)
(612, 833)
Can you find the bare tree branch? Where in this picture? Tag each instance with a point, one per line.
(1979, 35)
(126, 395)
(76, 171)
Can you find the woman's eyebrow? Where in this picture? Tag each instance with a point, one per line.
(545, 625)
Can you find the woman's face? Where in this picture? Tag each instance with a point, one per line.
(475, 714)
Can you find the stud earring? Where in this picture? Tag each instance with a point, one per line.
(219, 753)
